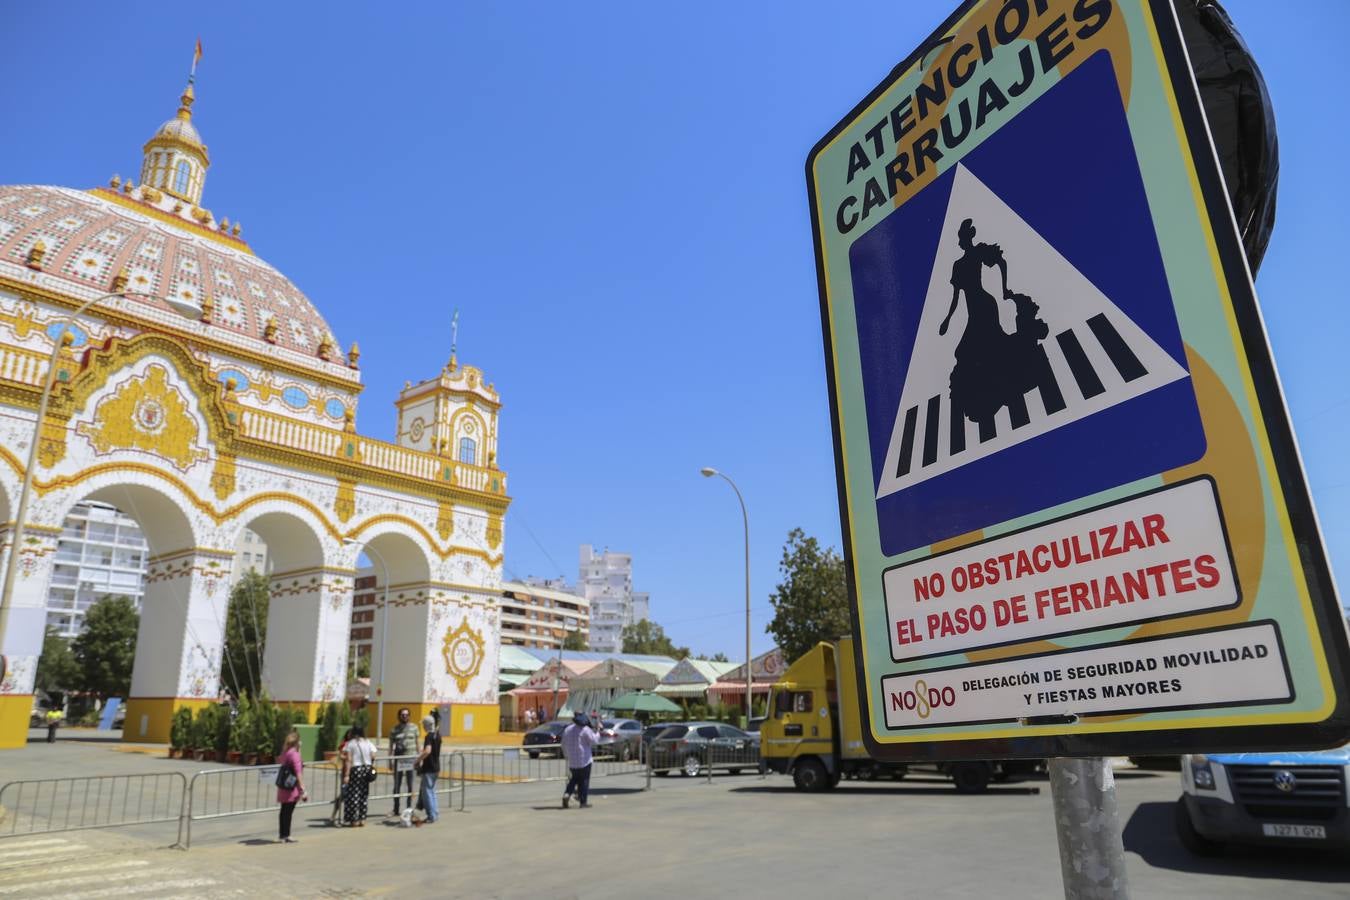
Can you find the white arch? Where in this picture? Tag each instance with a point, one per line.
(400, 548)
(296, 538)
(159, 507)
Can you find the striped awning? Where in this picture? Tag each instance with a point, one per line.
(730, 690)
(692, 691)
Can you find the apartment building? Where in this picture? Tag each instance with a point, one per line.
(103, 553)
(535, 615)
(605, 579)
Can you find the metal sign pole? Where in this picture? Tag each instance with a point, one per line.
(1087, 825)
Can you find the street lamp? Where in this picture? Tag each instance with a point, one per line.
(557, 671)
(184, 308)
(709, 472)
(384, 629)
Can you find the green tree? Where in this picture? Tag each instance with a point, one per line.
(650, 638)
(811, 603)
(106, 648)
(717, 657)
(575, 640)
(57, 669)
(245, 635)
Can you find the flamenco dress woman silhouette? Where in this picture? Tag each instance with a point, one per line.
(994, 368)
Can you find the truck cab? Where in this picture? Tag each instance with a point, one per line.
(800, 735)
(814, 729)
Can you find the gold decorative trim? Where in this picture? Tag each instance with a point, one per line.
(494, 531)
(146, 413)
(463, 652)
(344, 506)
(217, 408)
(233, 512)
(445, 520)
(155, 212)
(33, 294)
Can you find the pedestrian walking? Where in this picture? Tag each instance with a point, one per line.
(577, 741)
(403, 743)
(358, 771)
(290, 783)
(54, 718)
(429, 765)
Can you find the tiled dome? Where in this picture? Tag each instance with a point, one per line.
(91, 237)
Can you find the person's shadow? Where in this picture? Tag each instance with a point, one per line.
(1150, 833)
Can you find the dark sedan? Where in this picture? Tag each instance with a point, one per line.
(692, 747)
(545, 739)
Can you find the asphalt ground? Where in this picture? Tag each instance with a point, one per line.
(737, 836)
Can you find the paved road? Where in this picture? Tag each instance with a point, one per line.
(738, 836)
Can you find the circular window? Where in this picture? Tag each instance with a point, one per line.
(335, 408)
(241, 382)
(295, 397)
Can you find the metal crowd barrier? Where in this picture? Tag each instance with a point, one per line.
(219, 793)
(52, 805)
(514, 765)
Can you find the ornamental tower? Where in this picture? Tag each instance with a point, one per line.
(175, 158)
(452, 415)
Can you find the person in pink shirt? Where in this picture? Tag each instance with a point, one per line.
(290, 764)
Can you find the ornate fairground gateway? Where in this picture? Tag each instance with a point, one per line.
(242, 418)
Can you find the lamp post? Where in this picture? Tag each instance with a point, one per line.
(708, 472)
(384, 629)
(183, 308)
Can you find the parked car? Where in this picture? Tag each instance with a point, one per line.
(545, 739)
(1280, 799)
(620, 739)
(690, 747)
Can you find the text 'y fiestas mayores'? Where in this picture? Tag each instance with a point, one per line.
(1154, 556)
(1235, 666)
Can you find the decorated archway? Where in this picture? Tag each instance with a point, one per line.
(246, 418)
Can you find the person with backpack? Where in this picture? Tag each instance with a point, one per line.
(290, 783)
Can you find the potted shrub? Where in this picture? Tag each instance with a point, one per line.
(283, 722)
(221, 745)
(204, 732)
(328, 730)
(242, 734)
(236, 742)
(180, 731)
(264, 729)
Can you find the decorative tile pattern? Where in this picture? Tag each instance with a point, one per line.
(85, 234)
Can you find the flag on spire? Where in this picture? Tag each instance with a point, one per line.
(196, 56)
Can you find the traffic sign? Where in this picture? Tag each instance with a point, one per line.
(1075, 519)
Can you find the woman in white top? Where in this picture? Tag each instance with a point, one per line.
(358, 770)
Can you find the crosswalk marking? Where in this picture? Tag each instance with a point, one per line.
(100, 877)
(1087, 356)
(25, 844)
(72, 870)
(152, 888)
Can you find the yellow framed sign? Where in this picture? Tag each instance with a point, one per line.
(1075, 519)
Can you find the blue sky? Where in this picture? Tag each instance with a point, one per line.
(612, 196)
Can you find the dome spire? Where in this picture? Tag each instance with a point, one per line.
(175, 158)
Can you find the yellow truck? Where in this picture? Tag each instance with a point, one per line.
(814, 730)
